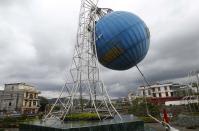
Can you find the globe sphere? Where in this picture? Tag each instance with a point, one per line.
(122, 40)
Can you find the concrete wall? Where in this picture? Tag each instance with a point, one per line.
(126, 126)
(180, 102)
(11, 101)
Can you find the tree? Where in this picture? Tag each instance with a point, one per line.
(43, 103)
(138, 108)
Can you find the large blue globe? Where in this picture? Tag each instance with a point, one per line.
(122, 40)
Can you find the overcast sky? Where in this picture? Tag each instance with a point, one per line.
(37, 38)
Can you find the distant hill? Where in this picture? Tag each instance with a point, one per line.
(53, 100)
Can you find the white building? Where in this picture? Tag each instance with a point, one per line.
(132, 96)
(159, 90)
(184, 101)
(19, 97)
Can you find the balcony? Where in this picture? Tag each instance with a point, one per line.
(28, 98)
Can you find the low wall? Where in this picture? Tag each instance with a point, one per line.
(126, 126)
(180, 102)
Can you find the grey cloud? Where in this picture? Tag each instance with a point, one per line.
(37, 39)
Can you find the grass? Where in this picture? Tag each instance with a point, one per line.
(147, 119)
(192, 114)
(82, 116)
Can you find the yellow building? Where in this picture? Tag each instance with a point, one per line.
(19, 97)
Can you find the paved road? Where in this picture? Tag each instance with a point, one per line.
(159, 127)
(156, 126)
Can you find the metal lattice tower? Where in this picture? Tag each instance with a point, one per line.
(194, 78)
(86, 92)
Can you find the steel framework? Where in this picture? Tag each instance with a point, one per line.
(86, 92)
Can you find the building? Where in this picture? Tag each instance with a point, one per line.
(159, 90)
(132, 95)
(122, 104)
(19, 97)
(159, 93)
(184, 101)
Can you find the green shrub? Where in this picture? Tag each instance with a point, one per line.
(82, 116)
(138, 108)
(147, 119)
(9, 120)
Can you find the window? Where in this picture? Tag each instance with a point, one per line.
(171, 93)
(149, 92)
(34, 103)
(158, 88)
(143, 93)
(165, 88)
(31, 96)
(154, 95)
(30, 104)
(160, 95)
(167, 94)
(26, 94)
(26, 102)
(12, 87)
(10, 103)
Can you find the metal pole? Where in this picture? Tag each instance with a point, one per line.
(197, 77)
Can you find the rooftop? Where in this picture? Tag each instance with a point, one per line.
(19, 83)
(20, 87)
(160, 85)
